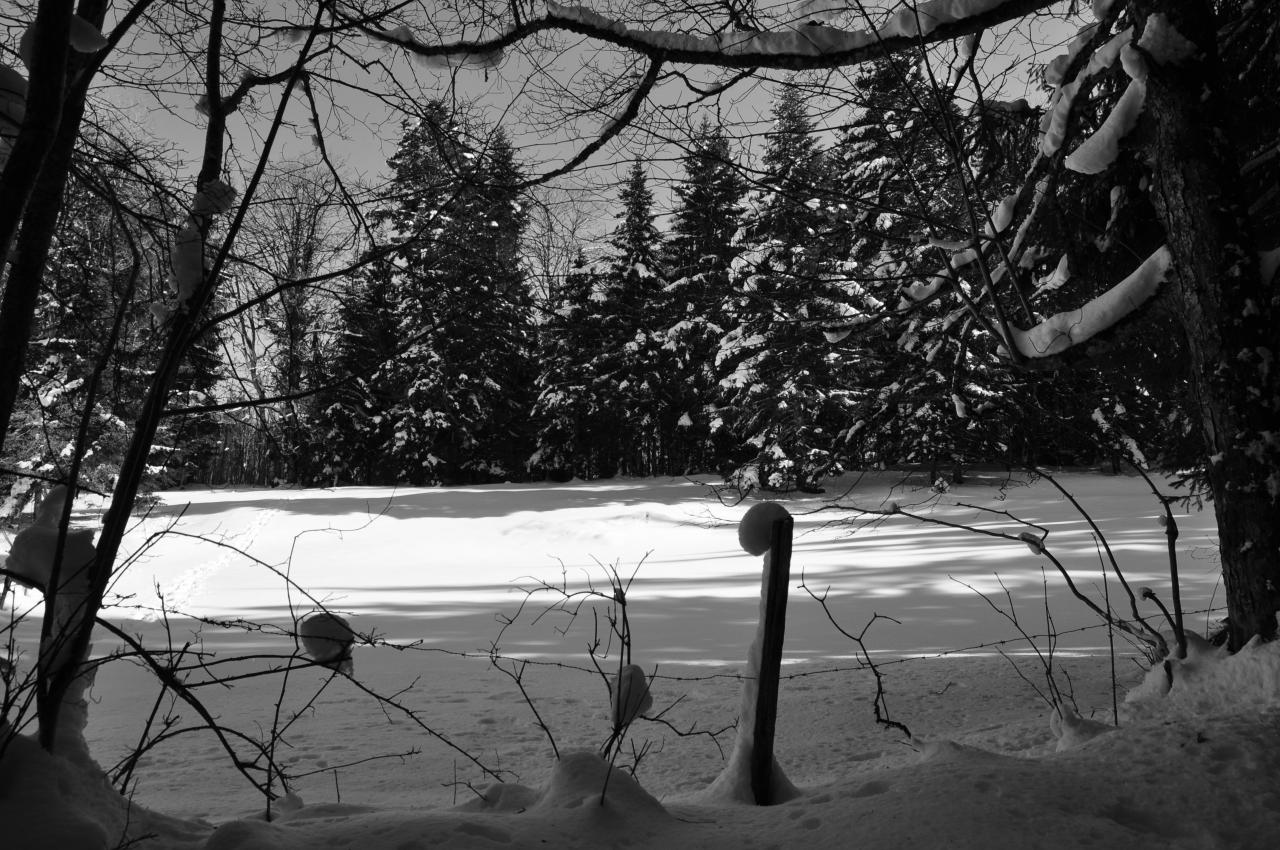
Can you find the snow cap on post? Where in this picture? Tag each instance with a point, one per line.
(327, 639)
(755, 532)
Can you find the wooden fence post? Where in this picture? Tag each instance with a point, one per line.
(773, 630)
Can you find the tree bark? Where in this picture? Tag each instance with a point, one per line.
(1228, 314)
(26, 167)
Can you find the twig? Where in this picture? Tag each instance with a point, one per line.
(879, 706)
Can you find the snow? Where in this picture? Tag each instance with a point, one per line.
(822, 11)
(35, 548)
(214, 198)
(1102, 8)
(1096, 153)
(1002, 215)
(186, 255)
(1055, 71)
(1053, 125)
(755, 530)
(1060, 275)
(919, 291)
(923, 18)
(1131, 445)
(629, 695)
(1162, 41)
(403, 36)
(989, 764)
(85, 37)
(186, 258)
(583, 15)
(1063, 330)
(1269, 264)
(326, 638)
(805, 40)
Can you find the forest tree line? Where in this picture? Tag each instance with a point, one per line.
(754, 337)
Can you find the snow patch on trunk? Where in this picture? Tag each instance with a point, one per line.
(1162, 41)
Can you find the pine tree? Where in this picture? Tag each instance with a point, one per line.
(784, 390)
(604, 404)
(573, 434)
(189, 444)
(102, 268)
(632, 371)
(709, 205)
(698, 252)
(354, 411)
(447, 403)
(495, 356)
(932, 399)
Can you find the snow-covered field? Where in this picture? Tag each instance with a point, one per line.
(434, 575)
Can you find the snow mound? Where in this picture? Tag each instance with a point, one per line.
(578, 780)
(1210, 681)
(1072, 730)
(569, 803)
(34, 781)
(48, 801)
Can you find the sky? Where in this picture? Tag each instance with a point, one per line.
(361, 132)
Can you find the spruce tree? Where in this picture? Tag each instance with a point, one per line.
(930, 398)
(354, 414)
(783, 388)
(573, 434)
(103, 267)
(438, 329)
(697, 253)
(708, 205)
(632, 370)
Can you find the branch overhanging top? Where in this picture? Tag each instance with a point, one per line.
(806, 47)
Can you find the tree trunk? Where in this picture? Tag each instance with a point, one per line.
(44, 117)
(1227, 314)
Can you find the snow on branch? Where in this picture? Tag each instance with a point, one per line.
(1163, 42)
(1096, 153)
(1064, 330)
(1054, 124)
(810, 45)
(793, 48)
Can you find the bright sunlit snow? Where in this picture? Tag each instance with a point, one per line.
(440, 572)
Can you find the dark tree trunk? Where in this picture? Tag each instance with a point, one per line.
(18, 183)
(1228, 314)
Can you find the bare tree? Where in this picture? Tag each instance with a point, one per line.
(298, 230)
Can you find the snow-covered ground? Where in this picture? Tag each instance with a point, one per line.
(434, 575)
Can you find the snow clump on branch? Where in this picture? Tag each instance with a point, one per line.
(1064, 330)
(804, 40)
(1054, 124)
(1096, 153)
